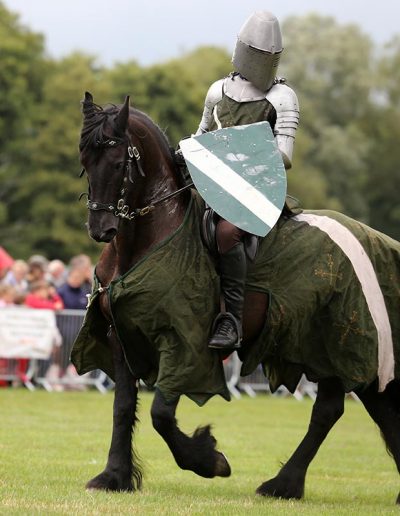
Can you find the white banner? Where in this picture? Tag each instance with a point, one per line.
(27, 332)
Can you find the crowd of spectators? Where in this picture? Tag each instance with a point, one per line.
(50, 284)
(40, 283)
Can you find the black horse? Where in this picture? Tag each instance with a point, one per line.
(138, 206)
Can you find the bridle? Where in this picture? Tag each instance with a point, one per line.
(121, 208)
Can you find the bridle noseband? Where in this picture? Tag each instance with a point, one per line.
(121, 209)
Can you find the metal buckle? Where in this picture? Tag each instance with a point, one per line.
(146, 210)
(135, 153)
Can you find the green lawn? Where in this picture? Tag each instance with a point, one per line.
(52, 443)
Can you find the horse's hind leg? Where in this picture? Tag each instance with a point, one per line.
(196, 453)
(327, 409)
(122, 472)
(384, 408)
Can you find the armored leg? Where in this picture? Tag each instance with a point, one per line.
(227, 331)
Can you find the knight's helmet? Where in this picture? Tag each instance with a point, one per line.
(258, 49)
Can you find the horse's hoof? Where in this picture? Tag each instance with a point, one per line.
(278, 488)
(398, 500)
(222, 467)
(109, 482)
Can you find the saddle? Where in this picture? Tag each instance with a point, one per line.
(251, 242)
(208, 235)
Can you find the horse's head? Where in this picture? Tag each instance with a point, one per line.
(111, 163)
(130, 170)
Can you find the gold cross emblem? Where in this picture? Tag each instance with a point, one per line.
(329, 274)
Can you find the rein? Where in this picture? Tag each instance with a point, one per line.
(121, 209)
(140, 212)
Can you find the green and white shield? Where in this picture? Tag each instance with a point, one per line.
(239, 172)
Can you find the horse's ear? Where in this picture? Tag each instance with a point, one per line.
(122, 118)
(87, 105)
(88, 97)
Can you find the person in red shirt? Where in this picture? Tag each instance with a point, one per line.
(43, 295)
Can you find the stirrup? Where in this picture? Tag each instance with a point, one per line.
(213, 343)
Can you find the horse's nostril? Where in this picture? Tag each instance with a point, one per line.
(108, 235)
(102, 236)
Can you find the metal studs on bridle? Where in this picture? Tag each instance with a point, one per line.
(134, 153)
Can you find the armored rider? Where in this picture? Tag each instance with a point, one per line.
(251, 93)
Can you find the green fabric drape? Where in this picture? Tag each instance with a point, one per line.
(163, 310)
(318, 321)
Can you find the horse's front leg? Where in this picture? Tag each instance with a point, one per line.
(196, 453)
(327, 409)
(122, 472)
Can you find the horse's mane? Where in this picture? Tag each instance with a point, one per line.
(96, 117)
(94, 136)
(94, 121)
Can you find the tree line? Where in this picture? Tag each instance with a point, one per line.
(346, 153)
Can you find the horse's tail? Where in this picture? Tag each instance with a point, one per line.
(391, 432)
(393, 393)
(384, 408)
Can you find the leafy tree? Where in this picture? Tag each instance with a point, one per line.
(172, 93)
(346, 152)
(331, 68)
(126, 79)
(306, 182)
(382, 190)
(44, 214)
(22, 70)
(382, 125)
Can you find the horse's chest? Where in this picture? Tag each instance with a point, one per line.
(104, 305)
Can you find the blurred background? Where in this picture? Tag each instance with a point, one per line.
(342, 59)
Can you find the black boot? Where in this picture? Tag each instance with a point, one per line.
(227, 329)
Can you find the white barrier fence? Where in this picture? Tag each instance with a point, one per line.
(35, 347)
(257, 382)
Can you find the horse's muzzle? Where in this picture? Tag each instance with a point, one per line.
(102, 236)
(102, 226)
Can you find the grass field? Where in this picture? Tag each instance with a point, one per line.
(52, 443)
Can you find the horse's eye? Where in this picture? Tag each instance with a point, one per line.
(118, 165)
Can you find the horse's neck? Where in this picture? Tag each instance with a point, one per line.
(136, 239)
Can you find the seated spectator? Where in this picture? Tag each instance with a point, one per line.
(75, 289)
(16, 277)
(83, 261)
(43, 295)
(56, 273)
(8, 295)
(7, 298)
(37, 265)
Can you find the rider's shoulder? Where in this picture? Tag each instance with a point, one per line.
(215, 92)
(282, 96)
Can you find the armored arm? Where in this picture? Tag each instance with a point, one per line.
(286, 105)
(213, 96)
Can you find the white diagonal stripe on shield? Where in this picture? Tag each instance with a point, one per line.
(228, 180)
